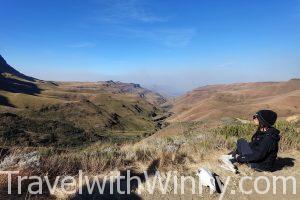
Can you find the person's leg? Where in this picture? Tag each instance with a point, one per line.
(243, 147)
(256, 167)
(240, 142)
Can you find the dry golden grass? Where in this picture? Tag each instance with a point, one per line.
(30, 101)
(183, 153)
(175, 152)
(237, 100)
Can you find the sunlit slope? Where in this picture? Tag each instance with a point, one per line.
(238, 100)
(96, 109)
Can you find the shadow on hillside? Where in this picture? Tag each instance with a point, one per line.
(282, 163)
(4, 101)
(152, 168)
(18, 86)
(3, 153)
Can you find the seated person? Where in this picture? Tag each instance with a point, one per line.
(261, 152)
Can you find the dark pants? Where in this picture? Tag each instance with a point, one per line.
(243, 147)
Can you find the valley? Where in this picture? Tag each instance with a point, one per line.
(42, 113)
(56, 128)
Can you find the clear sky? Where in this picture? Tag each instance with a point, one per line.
(181, 44)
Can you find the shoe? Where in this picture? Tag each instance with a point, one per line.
(227, 161)
(227, 168)
(229, 157)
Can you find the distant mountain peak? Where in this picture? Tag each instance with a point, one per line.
(295, 79)
(6, 68)
(3, 62)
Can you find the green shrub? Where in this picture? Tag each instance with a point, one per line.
(290, 137)
(236, 130)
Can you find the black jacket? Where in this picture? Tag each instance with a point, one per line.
(265, 148)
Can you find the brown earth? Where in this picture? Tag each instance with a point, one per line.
(240, 100)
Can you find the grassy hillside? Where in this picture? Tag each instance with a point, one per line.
(238, 100)
(39, 113)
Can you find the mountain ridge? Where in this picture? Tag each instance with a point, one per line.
(90, 110)
(237, 100)
(6, 68)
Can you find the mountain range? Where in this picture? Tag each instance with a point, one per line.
(239, 100)
(36, 112)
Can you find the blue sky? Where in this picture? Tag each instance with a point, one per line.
(171, 43)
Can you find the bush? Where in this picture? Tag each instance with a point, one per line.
(236, 130)
(290, 137)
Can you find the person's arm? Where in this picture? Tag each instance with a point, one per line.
(259, 152)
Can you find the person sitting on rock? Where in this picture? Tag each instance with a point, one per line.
(261, 152)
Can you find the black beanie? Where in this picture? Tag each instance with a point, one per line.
(267, 117)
